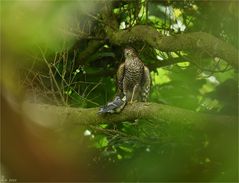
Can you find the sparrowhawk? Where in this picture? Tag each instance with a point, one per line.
(133, 82)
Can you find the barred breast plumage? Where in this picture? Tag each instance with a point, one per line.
(133, 83)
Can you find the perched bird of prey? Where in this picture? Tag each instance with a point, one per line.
(133, 82)
(133, 77)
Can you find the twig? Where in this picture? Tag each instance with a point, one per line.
(53, 80)
(68, 85)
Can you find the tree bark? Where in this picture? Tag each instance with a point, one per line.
(198, 41)
(60, 116)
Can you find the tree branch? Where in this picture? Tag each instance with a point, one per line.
(58, 116)
(198, 41)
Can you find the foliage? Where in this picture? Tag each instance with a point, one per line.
(69, 76)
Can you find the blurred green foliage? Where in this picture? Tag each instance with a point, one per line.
(138, 150)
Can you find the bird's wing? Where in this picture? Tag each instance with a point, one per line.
(120, 77)
(146, 82)
(114, 106)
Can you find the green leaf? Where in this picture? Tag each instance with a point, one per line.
(103, 125)
(126, 149)
(101, 142)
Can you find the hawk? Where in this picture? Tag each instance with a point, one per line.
(133, 82)
(133, 78)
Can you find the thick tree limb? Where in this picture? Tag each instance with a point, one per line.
(58, 116)
(198, 41)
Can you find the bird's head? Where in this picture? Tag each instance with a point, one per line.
(130, 52)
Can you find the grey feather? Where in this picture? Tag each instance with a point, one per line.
(114, 106)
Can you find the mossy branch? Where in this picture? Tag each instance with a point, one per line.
(60, 116)
(197, 41)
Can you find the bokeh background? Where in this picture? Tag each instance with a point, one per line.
(45, 59)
